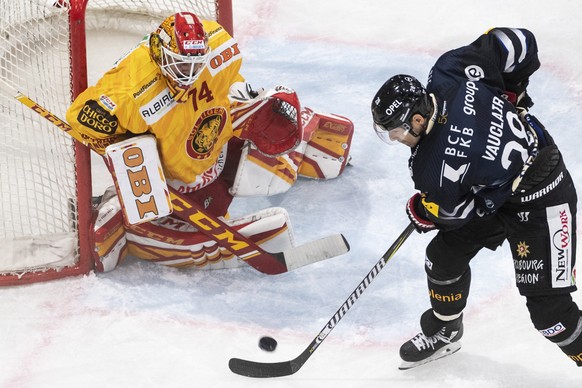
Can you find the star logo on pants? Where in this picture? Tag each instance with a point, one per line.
(522, 249)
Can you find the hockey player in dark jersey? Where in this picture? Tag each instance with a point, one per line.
(486, 171)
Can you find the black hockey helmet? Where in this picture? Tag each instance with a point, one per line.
(397, 101)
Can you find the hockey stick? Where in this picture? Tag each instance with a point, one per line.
(249, 251)
(225, 236)
(286, 368)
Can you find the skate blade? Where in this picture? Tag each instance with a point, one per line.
(442, 352)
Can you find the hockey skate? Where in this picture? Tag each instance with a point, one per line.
(424, 348)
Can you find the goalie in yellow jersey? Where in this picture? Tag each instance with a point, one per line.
(215, 138)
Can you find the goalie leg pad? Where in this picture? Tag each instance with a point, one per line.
(110, 244)
(173, 242)
(259, 175)
(328, 138)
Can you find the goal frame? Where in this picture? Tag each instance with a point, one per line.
(78, 83)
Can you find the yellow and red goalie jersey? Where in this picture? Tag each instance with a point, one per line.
(133, 98)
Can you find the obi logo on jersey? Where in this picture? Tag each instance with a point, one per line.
(94, 116)
(224, 54)
(205, 133)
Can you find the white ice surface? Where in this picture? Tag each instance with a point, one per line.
(148, 326)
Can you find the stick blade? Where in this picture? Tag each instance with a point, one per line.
(314, 251)
(297, 257)
(261, 369)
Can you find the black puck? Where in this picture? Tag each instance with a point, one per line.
(268, 344)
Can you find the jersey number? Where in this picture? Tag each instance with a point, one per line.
(513, 146)
(203, 94)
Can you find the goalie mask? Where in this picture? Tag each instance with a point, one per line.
(180, 48)
(393, 106)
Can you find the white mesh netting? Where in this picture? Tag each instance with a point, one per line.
(37, 165)
(37, 160)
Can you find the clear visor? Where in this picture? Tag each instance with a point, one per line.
(393, 135)
(183, 69)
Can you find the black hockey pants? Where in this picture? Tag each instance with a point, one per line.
(540, 226)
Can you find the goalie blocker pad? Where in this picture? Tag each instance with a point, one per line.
(172, 242)
(139, 179)
(323, 153)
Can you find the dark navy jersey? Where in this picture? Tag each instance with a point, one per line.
(467, 162)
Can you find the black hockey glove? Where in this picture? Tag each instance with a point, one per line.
(517, 95)
(415, 212)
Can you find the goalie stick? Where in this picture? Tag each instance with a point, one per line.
(286, 368)
(224, 235)
(247, 250)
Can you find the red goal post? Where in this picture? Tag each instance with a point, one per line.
(45, 177)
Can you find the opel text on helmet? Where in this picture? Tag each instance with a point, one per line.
(396, 102)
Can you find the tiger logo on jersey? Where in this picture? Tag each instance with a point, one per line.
(205, 133)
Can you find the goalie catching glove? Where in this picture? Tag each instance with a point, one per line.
(417, 214)
(286, 141)
(269, 121)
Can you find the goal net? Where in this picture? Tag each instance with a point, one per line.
(45, 177)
